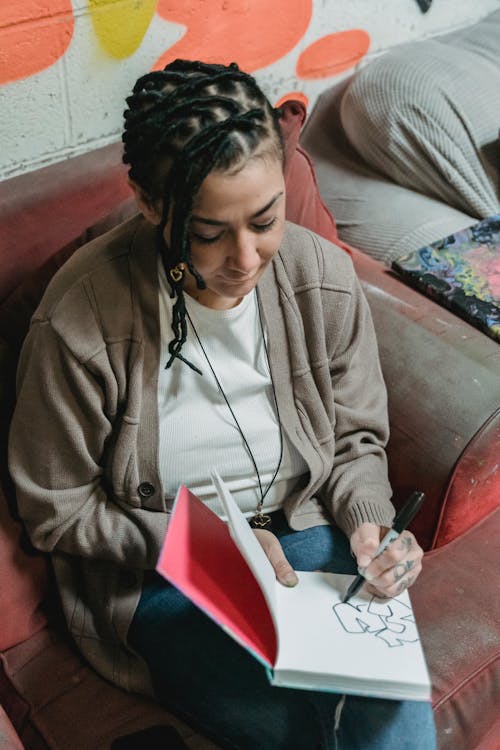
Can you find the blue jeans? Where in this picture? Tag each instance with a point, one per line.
(202, 675)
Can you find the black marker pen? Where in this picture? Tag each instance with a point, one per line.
(401, 521)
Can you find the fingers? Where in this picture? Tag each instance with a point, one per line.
(271, 546)
(364, 544)
(395, 569)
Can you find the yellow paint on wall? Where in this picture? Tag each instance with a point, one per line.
(120, 25)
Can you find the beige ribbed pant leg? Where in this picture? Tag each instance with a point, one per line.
(427, 116)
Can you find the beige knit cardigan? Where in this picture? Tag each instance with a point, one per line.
(84, 438)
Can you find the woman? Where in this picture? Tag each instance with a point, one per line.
(208, 332)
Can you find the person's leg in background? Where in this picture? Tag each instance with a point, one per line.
(426, 115)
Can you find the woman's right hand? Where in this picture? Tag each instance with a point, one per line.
(274, 551)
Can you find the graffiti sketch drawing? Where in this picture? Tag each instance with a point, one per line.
(391, 621)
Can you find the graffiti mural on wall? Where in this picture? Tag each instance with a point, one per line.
(121, 26)
(35, 33)
(259, 31)
(256, 33)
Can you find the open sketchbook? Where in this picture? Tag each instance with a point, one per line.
(305, 636)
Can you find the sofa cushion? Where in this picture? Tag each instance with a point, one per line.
(42, 211)
(75, 709)
(19, 305)
(304, 204)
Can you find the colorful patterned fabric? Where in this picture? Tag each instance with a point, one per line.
(461, 272)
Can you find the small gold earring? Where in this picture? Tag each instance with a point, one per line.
(177, 272)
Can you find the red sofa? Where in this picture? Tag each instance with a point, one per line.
(443, 378)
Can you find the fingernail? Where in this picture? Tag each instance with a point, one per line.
(290, 579)
(363, 562)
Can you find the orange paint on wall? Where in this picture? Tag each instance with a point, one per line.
(293, 96)
(33, 35)
(254, 33)
(333, 54)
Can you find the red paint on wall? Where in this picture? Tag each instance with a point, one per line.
(33, 35)
(333, 54)
(254, 33)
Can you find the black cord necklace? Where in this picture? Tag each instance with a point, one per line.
(259, 520)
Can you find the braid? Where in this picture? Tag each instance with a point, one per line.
(183, 122)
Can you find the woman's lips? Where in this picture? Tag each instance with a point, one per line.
(238, 279)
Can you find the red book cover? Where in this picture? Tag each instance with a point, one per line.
(200, 558)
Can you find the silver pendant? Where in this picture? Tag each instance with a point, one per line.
(260, 521)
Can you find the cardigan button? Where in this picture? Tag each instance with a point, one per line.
(146, 489)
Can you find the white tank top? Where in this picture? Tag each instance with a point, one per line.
(197, 430)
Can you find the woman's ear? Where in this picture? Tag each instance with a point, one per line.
(150, 209)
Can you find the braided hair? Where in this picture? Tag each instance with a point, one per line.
(181, 123)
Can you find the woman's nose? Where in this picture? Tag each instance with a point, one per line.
(244, 256)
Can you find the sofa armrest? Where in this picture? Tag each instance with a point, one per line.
(443, 381)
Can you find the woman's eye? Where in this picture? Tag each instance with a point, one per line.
(211, 238)
(203, 238)
(265, 227)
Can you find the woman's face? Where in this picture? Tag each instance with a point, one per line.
(237, 226)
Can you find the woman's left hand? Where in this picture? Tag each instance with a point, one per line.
(274, 551)
(395, 569)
